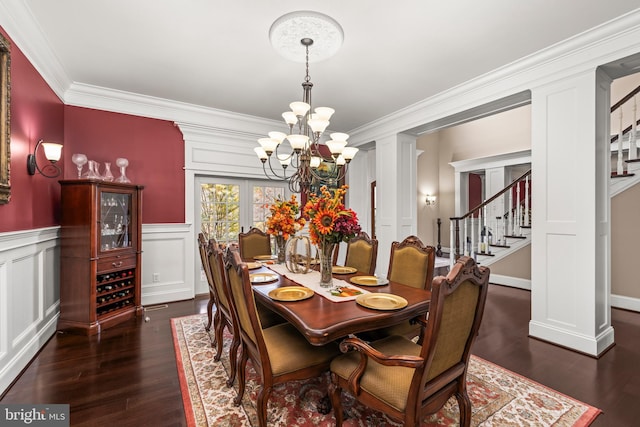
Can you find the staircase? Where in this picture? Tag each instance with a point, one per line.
(497, 227)
(502, 224)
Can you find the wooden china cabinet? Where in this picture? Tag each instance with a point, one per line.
(100, 255)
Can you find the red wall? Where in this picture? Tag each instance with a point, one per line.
(36, 112)
(155, 150)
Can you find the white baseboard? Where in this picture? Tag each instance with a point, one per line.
(626, 303)
(514, 282)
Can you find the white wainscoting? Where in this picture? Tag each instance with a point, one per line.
(167, 261)
(29, 296)
(30, 290)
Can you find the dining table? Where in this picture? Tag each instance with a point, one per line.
(322, 320)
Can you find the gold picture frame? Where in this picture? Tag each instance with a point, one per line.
(5, 120)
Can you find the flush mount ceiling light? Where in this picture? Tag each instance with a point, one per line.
(315, 164)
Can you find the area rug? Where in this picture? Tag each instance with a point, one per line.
(498, 397)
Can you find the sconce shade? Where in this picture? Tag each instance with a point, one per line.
(53, 153)
(431, 200)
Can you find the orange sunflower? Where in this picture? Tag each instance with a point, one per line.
(325, 221)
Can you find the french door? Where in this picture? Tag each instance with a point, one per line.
(228, 206)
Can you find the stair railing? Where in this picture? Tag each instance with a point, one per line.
(630, 132)
(489, 224)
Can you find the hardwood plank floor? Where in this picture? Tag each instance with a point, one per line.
(127, 376)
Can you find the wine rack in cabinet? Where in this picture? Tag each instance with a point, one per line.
(100, 258)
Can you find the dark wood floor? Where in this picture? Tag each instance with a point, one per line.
(128, 377)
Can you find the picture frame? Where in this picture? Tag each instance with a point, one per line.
(5, 120)
(325, 172)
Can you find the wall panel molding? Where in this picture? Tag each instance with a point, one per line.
(29, 296)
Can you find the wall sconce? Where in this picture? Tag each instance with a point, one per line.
(52, 152)
(430, 200)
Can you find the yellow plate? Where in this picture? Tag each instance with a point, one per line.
(369, 281)
(337, 269)
(263, 277)
(381, 301)
(264, 257)
(291, 293)
(253, 265)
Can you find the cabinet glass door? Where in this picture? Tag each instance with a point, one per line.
(115, 220)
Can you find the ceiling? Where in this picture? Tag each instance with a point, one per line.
(217, 53)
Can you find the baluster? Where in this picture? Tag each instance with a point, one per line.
(510, 220)
(472, 239)
(465, 249)
(633, 144)
(452, 255)
(526, 201)
(620, 168)
(518, 210)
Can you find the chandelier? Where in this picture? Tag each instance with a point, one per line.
(310, 162)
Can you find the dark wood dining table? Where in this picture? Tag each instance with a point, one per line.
(322, 321)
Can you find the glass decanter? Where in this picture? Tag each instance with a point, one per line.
(122, 163)
(107, 176)
(92, 173)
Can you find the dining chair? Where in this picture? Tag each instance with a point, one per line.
(253, 243)
(225, 316)
(408, 381)
(202, 247)
(411, 263)
(362, 253)
(279, 353)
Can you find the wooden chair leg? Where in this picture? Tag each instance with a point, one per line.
(335, 393)
(219, 327)
(464, 404)
(242, 365)
(216, 321)
(263, 399)
(209, 314)
(233, 359)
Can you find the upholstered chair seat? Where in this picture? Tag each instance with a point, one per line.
(289, 351)
(389, 383)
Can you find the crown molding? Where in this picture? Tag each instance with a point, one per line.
(18, 21)
(608, 42)
(101, 98)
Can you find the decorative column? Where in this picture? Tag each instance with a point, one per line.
(570, 250)
(396, 185)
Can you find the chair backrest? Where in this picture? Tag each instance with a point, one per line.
(362, 253)
(253, 243)
(243, 301)
(215, 257)
(411, 263)
(202, 247)
(455, 313)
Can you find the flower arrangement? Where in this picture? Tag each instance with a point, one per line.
(329, 220)
(282, 221)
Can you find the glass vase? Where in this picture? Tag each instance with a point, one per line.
(280, 247)
(326, 263)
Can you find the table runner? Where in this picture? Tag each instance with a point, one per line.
(311, 280)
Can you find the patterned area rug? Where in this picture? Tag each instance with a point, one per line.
(498, 397)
